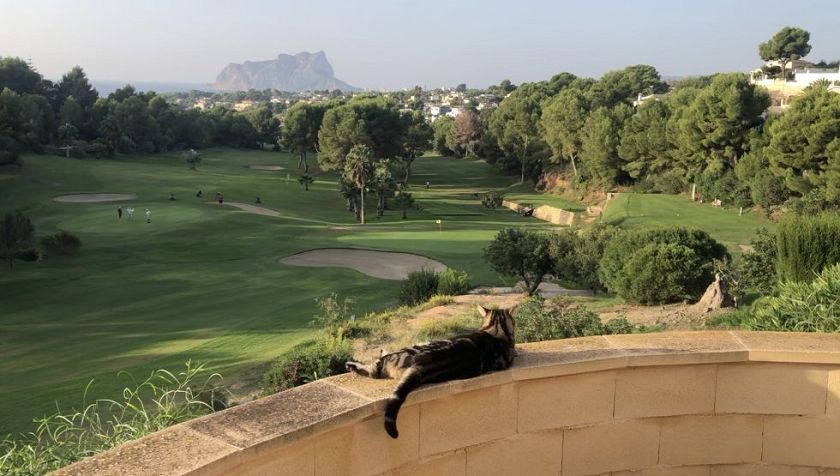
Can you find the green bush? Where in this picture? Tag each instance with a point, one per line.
(660, 272)
(520, 253)
(802, 306)
(418, 287)
(670, 182)
(163, 399)
(686, 272)
(28, 255)
(63, 243)
(806, 245)
(537, 320)
(307, 362)
(452, 282)
(758, 267)
(335, 319)
(492, 199)
(768, 190)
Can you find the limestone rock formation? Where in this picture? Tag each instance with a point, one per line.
(301, 72)
(716, 296)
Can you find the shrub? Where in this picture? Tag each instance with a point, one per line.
(28, 255)
(335, 318)
(670, 182)
(802, 306)
(660, 272)
(63, 243)
(690, 263)
(418, 287)
(307, 362)
(161, 400)
(768, 190)
(520, 253)
(537, 319)
(758, 267)
(441, 328)
(492, 199)
(806, 245)
(452, 282)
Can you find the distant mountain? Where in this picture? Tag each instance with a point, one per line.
(300, 72)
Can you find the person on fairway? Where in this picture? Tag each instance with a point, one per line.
(119, 213)
(129, 213)
(148, 216)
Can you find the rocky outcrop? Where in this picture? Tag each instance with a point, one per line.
(301, 72)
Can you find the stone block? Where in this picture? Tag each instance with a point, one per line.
(762, 470)
(802, 441)
(566, 401)
(771, 388)
(454, 463)
(624, 446)
(695, 440)
(365, 448)
(665, 391)
(467, 419)
(532, 454)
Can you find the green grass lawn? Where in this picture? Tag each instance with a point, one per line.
(645, 210)
(202, 282)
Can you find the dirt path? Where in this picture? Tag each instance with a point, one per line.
(95, 197)
(379, 264)
(255, 209)
(267, 167)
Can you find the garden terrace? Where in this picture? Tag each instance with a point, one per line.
(687, 403)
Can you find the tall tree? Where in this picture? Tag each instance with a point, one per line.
(715, 129)
(357, 168)
(17, 75)
(787, 44)
(300, 130)
(599, 144)
(16, 231)
(375, 123)
(266, 125)
(800, 149)
(644, 146)
(563, 120)
(417, 140)
(465, 133)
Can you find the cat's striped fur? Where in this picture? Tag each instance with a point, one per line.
(464, 356)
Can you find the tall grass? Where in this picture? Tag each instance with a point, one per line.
(163, 399)
(801, 306)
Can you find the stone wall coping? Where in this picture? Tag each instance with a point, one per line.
(217, 442)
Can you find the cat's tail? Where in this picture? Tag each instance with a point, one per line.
(411, 379)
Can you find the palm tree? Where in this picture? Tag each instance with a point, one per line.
(357, 168)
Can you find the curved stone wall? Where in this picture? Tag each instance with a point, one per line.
(691, 403)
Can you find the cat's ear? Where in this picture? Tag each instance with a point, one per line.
(482, 310)
(513, 308)
(382, 353)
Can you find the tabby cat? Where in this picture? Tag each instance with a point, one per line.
(464, 356)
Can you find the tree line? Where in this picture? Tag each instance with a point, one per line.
(38, 115)
(629, 128)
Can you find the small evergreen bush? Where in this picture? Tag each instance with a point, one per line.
(452, 282)
(307, 362)
(418, 287)
(492, 199)
(806, 245)
(63, 243)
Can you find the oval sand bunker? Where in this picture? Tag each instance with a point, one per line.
(267, 167)
(95, 197)
(379, 264)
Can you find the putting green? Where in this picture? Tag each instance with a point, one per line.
(103, 219)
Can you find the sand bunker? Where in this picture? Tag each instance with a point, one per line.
(255, 209)
(266, 167)
(95, 197)
(379, 264)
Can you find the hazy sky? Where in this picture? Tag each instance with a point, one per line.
(400, 43)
